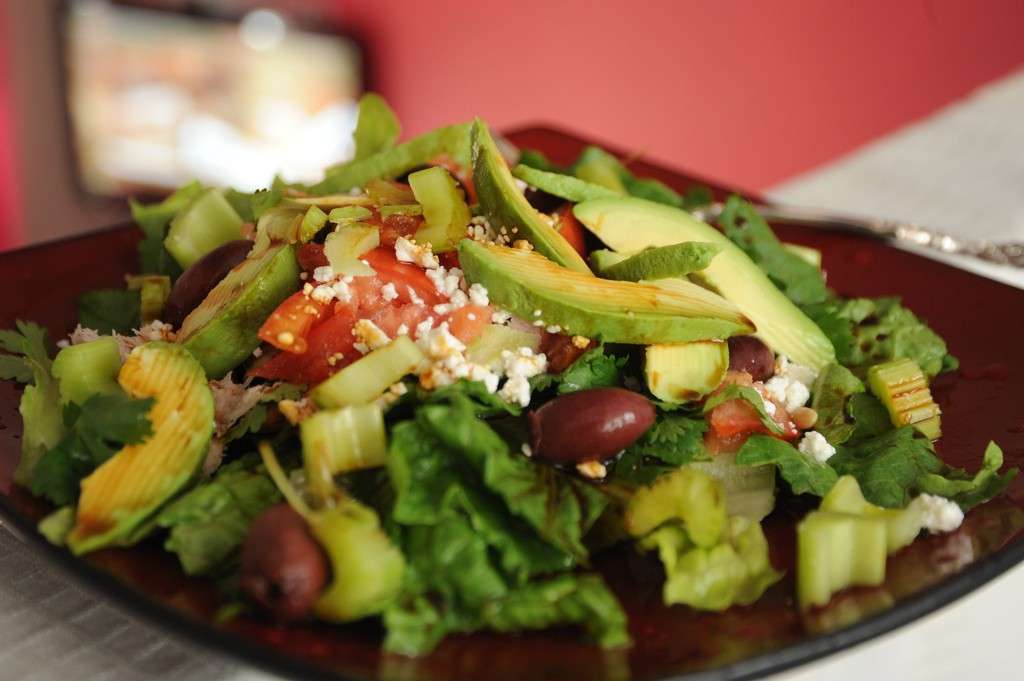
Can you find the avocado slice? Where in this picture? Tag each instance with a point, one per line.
(629, 224)
(221, 332)
(121, 495)
(662, 262)
(685, 371)
(534, 288)
(564, 186)
(506, 207)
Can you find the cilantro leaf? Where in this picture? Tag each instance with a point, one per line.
(672, 441)
(15, 369)
(803, 474)
(93, 432)
(110, 310)
(888, 466)
(592, 369)
(749, 395)
(801, 281)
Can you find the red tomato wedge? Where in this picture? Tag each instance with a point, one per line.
(402, 275)
(570, 228)
(287, 326)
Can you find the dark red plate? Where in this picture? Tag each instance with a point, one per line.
(979, 403)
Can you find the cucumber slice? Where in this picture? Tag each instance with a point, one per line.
(123, 493)
(445, 211)
(203, 225)
(369, 376)
(339, 441)
(749, 490)
(88, 369)
(221, 331)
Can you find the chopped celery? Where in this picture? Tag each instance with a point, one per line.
(496, 338)
(903, 389)
(330, 201)
(451, 141)
(401, 209)
(388, 193)
(203, 225)
(277, 225)
(57, 525)
(368, 377)
(312, 222)
(341, 440)
(749, 490)
(836, 551)
(805, 253)
(88, 369)
(686, 494)
(344, 247)
(902, 525)
(347, 214)
(445, 212)
(153, 292)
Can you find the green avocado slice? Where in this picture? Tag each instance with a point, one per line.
(629, 224)
(221, 332)
(505, 207)
(120, 496)
(662, 262)
(534, 288)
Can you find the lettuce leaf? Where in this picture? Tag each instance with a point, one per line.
(803, 474)
(735, 571)
(29, 362)
(377, 127)
(209, 523)
(672, 441)
(801, 281)
(832, 391)
(969, 491)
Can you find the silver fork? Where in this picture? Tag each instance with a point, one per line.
(1003, 253)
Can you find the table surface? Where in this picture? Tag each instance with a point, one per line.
(51, 630)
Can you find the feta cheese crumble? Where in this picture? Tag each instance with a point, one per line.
(388, 292)
(516, 391)
(323, 274)
(478, 295)
(789, 392)
(940, 514)
(814, 445)
(409, 251)
(369, 334)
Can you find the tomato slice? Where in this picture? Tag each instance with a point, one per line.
(402, 275)
(467, 322)
(287, 327)
(570, 228)
(735, 417)
(329, 349)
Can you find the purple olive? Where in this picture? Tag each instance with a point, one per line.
(200, 278)
(283, 567)
(589, 425)
(750, 354)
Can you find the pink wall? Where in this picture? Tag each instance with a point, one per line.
(10, 231)
(750, 92)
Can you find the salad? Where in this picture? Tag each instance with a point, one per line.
(431, 388)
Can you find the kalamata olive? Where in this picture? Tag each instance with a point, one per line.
(283, 567)
(200, 278)
(589, 425)
(750, 354)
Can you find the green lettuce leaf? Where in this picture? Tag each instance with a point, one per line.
(748, 394)
(803, 474)
(969, 491)
(377, 127)
(93, 432)
(735, 571)
(832, 391)
(801, 281)
(29, 362)
(672, 441)
(110, 310)
(209, 523)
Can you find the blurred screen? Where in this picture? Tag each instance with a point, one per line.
(158, 98)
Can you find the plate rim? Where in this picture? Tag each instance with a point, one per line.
(191, 630)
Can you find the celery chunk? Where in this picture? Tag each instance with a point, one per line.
(370, 375)
(445, 211)
(88, 369)
(341, 440)
(903, 389)
(203, 225)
